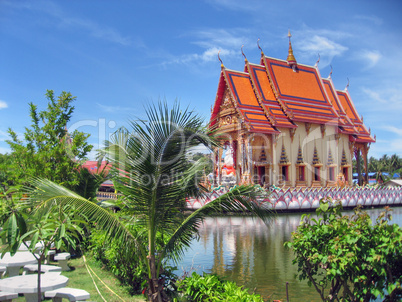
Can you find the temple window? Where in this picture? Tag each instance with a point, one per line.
(285, 174)
(300, 173)
(317, 174)
(345, 173)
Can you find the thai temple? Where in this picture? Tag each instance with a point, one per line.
(283, 124)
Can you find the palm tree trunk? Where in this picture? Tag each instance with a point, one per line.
(154, 291)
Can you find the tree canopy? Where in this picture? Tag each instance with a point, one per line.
(47, 150)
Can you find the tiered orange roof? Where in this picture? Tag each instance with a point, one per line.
(278, 93)
(301, 91)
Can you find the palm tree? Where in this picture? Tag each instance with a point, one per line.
(153, 177)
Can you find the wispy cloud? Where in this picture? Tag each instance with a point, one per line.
(370, 56)
(211, 41)
(3, 104)
(237, 5)
(63, 20)
(372, 19)
(322, 45)
(112, 109)
(4, 150)
(393, 129)
(3, 136)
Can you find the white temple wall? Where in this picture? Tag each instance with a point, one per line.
(323, 139)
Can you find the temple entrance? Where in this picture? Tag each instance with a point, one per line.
(261, 176)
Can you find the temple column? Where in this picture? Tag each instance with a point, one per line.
(215, 169)
(274, 169)
(249, 161)
(239, 160)
(359, 172)
(365, 153)
(220, 166)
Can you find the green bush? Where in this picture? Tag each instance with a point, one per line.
(212, 288)
(125, 266)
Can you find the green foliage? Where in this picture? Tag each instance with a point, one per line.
(89, 183)
(125, 266)
(51, 225)
(153, 179)
(347, 258)
(212, 288)
(47, 150)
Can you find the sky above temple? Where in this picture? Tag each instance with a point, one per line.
(119, 56)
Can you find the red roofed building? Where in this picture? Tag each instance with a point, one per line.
(283, 124)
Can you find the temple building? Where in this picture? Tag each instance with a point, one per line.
(282, 124)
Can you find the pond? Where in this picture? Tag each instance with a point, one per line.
(248, 252)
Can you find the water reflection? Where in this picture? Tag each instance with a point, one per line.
(250, 253)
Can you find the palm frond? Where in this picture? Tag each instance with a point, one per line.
(241, 199)
(45, 192)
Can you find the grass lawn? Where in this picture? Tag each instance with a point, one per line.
(80, 278)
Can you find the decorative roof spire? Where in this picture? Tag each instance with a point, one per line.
(330, 74)
(330, 158)
(316, 159)
(284, 157)
(291, 58)
(318, 61)
(300, 159)
(344, 161)
(243, 53)
(259, 47)
(263, 157)
(220, 59)
(347, 85)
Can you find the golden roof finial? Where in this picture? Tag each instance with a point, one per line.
(318, 61)
(291, 58)
(347, 85)
(330, 74)
(243, 52)
(259, 47)
(220, 59)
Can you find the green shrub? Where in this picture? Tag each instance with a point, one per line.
(211, 288)
(125, 266)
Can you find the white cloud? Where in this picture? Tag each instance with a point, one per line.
(62, 19)
(393, 129)
(318, 44)
(111, 109)
(3, 136)
(222, 38)
(4, 150)
(374, 95)
(371, 56)
(3, 104)
(237, 5)
(372, 19)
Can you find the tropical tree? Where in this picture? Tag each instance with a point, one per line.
(348, 258)
(28, 225)
(152, 174)
(47, 149)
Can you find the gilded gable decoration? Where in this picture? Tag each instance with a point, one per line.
(322, 128)
(308, 127)
(292, 132)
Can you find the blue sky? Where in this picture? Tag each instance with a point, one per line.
(117, 56)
